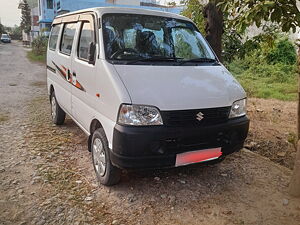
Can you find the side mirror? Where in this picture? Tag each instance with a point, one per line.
(92, 50)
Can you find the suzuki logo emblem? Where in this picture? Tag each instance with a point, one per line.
(200, 116)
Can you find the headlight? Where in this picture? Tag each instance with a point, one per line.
(238, 108)
(139, 115)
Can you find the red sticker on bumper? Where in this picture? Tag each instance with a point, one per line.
(197, 156)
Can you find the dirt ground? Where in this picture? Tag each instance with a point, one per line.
(273, 130)
(46, 175)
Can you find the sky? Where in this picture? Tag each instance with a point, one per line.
(9, 12)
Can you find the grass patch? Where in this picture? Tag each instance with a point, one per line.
(3, 118)
(36, 58)
(263, 80)
(38, 84)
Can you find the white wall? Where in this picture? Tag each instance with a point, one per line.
(124, 2)
(127, 2)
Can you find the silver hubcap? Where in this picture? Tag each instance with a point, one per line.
(53, 108)
(99, 157)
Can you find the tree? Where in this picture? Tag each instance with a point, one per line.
(172, 3)
(209, 20)
(25, 16)
(286, 14)
(295, 180)
(214, 26)
(194, 11)
(2, 30)
(16, 33)
(248, 12)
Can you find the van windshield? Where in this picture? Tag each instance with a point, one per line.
(5, 36)
(144, 39)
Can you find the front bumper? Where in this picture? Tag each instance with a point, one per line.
(157, 146)
(5, 41)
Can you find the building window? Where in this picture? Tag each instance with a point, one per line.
(50, 4)
(58, 5)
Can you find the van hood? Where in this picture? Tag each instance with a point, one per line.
(180, 87)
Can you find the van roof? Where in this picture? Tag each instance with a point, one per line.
(103, 10)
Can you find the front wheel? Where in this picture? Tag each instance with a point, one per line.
(106, 173)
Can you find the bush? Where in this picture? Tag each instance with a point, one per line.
(36, 58)
(283, 52)
(39, 45)
(264, 80)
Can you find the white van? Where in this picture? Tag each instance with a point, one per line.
(145, 87)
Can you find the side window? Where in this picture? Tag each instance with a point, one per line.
(86, 37)
(54, 37)
(67, 38)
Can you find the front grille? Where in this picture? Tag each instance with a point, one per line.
(182, 118)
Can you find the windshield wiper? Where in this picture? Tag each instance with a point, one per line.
(154, 59)
(201, 60)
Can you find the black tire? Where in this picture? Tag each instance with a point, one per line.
(111, 174)
(58, 117)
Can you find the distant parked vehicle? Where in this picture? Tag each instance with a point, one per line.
(5, 38)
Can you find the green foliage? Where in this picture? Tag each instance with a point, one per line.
(172, 3)
(283, 52)
(39, 45)
(194, 11)
(2, 29)
(32, 3)
(235, 45)
(25, 16)
(264, 80)
(232, 46)
(36, 58)
(16, 33)
(248, 12)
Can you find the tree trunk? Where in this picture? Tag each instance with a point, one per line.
(298, 117)
(295, 180)
(214, 27)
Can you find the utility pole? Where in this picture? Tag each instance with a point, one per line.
(294, 188)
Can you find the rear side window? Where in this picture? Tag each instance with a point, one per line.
(86, 37)
(54, 37)
(67, 38)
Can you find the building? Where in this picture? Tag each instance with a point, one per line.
(35, 28)
(124, 2)
(47, 13)
(48, 9)
(162, 6)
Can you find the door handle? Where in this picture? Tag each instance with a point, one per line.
(69, 75)
(74, 80)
